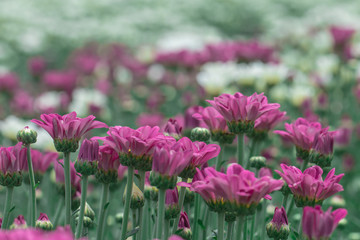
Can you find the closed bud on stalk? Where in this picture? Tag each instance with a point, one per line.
(44, 223)
(26, 136)
(88, 222)
(88, 212)
(119, 217)
(137, 197)
(257, 162)
(184, 229)
(278, 228)
(19, 223)
(200, 134)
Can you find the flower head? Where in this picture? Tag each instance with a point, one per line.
(36, 65)
(242, 111)
(172, 208)
(43, 222)
(88, 157)
(184, 229)
(68, 129)
(19, 223)
(318, 225)
(268, 121)
(278, 228)
(172, 128)
(108, 165)
(309, 188)
(323, 147)
(11, 159)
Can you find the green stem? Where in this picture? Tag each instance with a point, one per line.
(181, 203)
(145, 221)
(32, 187)
(263, 224)
(129, 185)
(300, 229)
(239, 227)
(196, 215)
(205, 221)
(285, 199)
(142, 209)
(102, 214)
(166, 230)
(84, 182)
(240, 149)
(290, 207)
(305, 163)
(251, 153)
(67, 188)
(221, 221)
(219, 158)
(252, 227)
(58, 212)
(9, 194)
(133, 211)
(161, 214)
(230, 230)
(245, 228)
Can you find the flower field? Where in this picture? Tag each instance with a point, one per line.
(184, 120)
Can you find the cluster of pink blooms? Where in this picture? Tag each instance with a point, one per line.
(245, 51)
(29, 234)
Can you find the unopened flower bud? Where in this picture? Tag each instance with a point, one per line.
(189, 196)
(137, 197)
(200, 134)
(172, 208)
(184, 229)
(44, 223)
(27, 136)
(119, 217)
(278, 228)
(19, 223)
(257, 162)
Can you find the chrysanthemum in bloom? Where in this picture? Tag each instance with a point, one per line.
(88, 157)
(202, 153)
(237, 191)
(319, 225)
(108, 165)
(267, 122)
(323, 148)
(67, 130)
(10, 165)
(308, 187)
(242, 111)
(168, 163)
(216, 124)
(135, 147)
(302, 134)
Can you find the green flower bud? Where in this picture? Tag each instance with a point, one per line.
(137, 197)
(119, 217)
(257, 162)
(26, 136)
(44, 223)
(200, 134)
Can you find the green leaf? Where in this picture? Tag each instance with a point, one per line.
(106, 205)
(12, 209)
(201, 224)
(132, 232)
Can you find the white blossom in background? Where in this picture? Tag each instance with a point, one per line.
(84, 98)
(325, 66)
(48, 100)
(215, 77)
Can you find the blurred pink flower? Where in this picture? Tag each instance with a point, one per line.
(9, 82)
(36, 65)
(150, 119)
(60, 80)
(318, 225)
(11, 159)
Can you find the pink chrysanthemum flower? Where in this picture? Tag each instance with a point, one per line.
(108, 165)
(10, 165)
(67, 130)
(168, 163)
(267, 122)
(319, 225)
(238, 190)
(242, 111)
(302, 134)
(202, 153)
(216, 123)
(135, 147)
(309, 188)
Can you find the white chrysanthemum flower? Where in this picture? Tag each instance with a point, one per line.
(214, 77)
(84, 98)
(300, 92)
(48, 100)
(325, 67)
